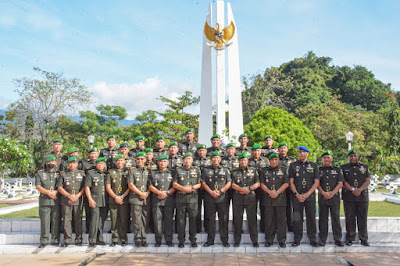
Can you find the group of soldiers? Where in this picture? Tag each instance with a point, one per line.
(151, 188)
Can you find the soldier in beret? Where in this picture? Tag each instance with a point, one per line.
(274, 183)
(188, 145)
(245, 181)
(118, 190)
(268, 148)
(49, 205)
(243, 139)
(73, 152)
(329, 199)
(162, 201)
(355, 197)
(110, 152)
(124, 150)
(175, 160)
(61, 158)
(304, 180)
(149, 164)
(215, 145)
(70, 185)
(216, 180)
(95, 193)
(160, 148)
(187, 182)
(138, 182)
(139, 146)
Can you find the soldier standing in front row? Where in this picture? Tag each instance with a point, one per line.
(329, 199)
(187, 182)
(70, 185)
(49, 209)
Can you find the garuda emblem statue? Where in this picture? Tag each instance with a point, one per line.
(219, 38)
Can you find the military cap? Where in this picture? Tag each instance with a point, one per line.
(243, 135)
(148, 150)
(101, 159)
(94, 149)
(119, 156)
(72, 150)
(141, 154)
(58, 140)
(72, 159)
(139, 138)
(255, 147)
(216, 153)
(230, 145)
(282, 144)
(243, 155)
(160, 137)
(50, 158)
(111, 137)
(201, 146)
(273, 155)
(174, 143)
(267, 137)
(188, 154)
(215, 136)
(352, 151)
(327, 153)
(189, 130)
(162, 157)
(123, 145)
(303, 148)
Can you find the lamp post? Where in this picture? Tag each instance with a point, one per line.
(91, 140)
(349, 138)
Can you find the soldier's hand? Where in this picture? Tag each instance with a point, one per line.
(144, 195)
(92, 203)
(300, 197)
(70, 202)
(327, 195)
(73, 198)
(215, 194)
(52, 194)
(273, 194)
(188, 189)
(245, 190)
(357, 192)
(119, 200)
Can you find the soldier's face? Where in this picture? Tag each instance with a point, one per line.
(140, 161)
(93, 156)
(160, 144)
(353, 158)
(216, 142)
(100, 166)
(302, 155)
(243, 162)
(72, 166)
(57, 146)
(283, 150)
(256, 153)
(231, 151)
(268, 142)
(140, 144)
(111, 142)
(188, 161)
(190, 136)
(274, 162)
(149, 156)
(327, 160)
(74, 154)
(53, 162)
(216, 160)
(124, 150)
(173, 150)
(243, 141)
(162, 164)
(120, 163)
(202, 153)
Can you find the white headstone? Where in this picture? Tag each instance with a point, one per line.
(392, 188)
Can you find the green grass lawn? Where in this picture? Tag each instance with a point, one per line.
(2, 205)
(25, 214)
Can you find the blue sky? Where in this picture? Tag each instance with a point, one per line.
(129, 52)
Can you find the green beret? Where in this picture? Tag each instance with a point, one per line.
(188, 154)
(94, 149)
(243, 155)
(141, 154)
(174, 143)
(230, 145)
(267, 137)
(189, 130)
(352, 151)
(243, 135)
(201, 146)
(139, 138)
(111, 137)
(216, 153)
(255, 147)
(72, 150)
(327, 153)
(162, 157)
(72, 159)
(282, 144)
(215, 136)
(160, 137)
(273, 155)
(147, 150)
(101, 159)
(123, 145)
(119, 156)
(59, 140)
(50, 158)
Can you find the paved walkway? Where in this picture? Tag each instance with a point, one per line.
(19, 207)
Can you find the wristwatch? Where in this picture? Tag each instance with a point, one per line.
(250, 189)
(122, 196)
(277, 192)
(69, 196)
(352, 189)
(296, 193)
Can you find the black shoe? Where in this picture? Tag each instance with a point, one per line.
(170, 244)
(365, 243)
(322, 244)
(314, 244)
(123, 243)
(92, 245)
(339, 243)
(267, 244)
(256, 245)
(65, 245)
(194, 245)
(181, 245)
(349, 243)
(236, 245)
(138, 245)
(295, 244)
(79, 244)
(207, 244)
(157, 245)
(144, 244)
(113, 244)
(101, 243)
(42, 245)
(282, 245)
(226, 245)
(56, 244)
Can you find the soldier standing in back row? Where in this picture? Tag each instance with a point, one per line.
(139, 146)
(268, 148)
(160, 148)
(49, 205)
(149, 164)
(243, 139)
(110, 152)
(188, 145)
(61, 158)
(175, 160)
(215, 146)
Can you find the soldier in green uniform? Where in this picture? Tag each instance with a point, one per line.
(70, 185)
(245, 181)
(149, 164)
(110, 152)
(129, 161)
(61, 158)
(215, 146)
(139, 146)
(274, 182)
(138, 182)
(329, 199)
(230, 160)
(175, 160)
(243, 139)
(187, 182)
(188, 145)
(355, 198)
(95, 192)
(162, 201)
(268, 148)
(216, 180)
(286, 160)
(160, 148)
(304, 180)
(118, 190)
(49, 210)
(201, 161)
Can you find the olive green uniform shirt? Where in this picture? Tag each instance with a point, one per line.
(47, 180)
(72, 182)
